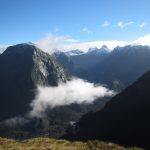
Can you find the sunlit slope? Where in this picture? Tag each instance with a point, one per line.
(52, 144)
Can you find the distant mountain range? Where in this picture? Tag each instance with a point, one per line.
(78, 64)
(124, 119)
(118, 68)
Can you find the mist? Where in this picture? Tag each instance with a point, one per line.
(74, 91)
(15, 121)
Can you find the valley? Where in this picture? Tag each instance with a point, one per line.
(74, 75)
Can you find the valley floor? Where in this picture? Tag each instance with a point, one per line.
(53, 144)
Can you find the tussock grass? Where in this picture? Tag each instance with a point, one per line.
(53, 144)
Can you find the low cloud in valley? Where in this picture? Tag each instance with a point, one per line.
(74, 91)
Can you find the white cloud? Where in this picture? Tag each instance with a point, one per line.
(143, 24)
(87, 30)
(71, 40)
(66, 43)
(145, 40)
(50, 42)
(3, 48)
(124, 24)
(11, 122)
(86, 45)
(75, 91)
(106, 23)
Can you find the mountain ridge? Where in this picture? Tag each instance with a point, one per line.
(24, 66)
(124, 119)
(117, 69)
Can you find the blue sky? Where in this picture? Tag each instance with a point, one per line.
(84, 20)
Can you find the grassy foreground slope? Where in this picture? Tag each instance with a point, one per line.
(53, 144)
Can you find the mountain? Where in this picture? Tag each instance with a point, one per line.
(80, 63)
(124, 119)
(123, 66)
(89, 59)
(117, 69)
(23, 67)
(65, 60)
(95, 51)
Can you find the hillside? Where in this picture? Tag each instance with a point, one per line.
(124, 119)
(52, 144)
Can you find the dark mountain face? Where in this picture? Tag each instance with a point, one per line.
(125, 118)
(23, 67)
